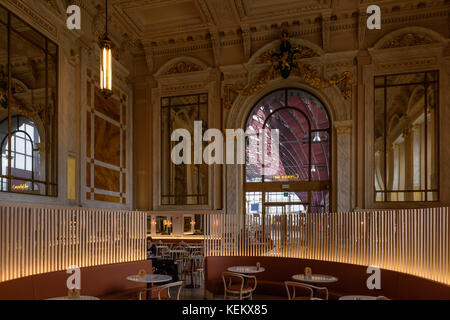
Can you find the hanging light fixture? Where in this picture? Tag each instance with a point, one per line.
(106, 62)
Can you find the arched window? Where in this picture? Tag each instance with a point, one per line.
(301, 179)
(24, 155)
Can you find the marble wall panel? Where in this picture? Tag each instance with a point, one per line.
(106, 142)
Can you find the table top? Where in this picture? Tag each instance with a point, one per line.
(315, 278)
(82, 298)
(177, 251)
(150, 278)
(357, 297)
(246, 269)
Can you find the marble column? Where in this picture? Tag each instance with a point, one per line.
(344, 162)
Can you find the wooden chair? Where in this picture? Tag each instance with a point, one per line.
(305, 287)
(238, 285)
(199, 269)
(160, 289)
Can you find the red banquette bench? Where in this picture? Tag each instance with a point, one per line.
(107, 282)
(352, 278)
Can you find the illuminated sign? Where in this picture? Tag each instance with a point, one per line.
(21, 187)
(294, 177)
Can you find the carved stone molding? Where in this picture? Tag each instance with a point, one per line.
(411, 63)
(184, 67)
(343, 127)
(409, 37)
(408, 40)
(34, 17)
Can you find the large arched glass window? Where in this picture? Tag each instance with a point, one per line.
(301, 181)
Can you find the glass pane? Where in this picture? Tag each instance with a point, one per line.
(287, 197)
(253, 203)
(406, 155)
(320, 202)
(379, 129)
(432, 76)
(33, 103)
(22, 186)
(402, 79)
(432, 137)
(163, 225)
(292, 160)
(3, 16)
(320, 156)
(264, 108)
(23, 31)
(313, 109)
(182, 184)
(4, 102)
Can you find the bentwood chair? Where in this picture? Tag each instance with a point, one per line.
(160, 289)
(291, 289)
(236, 286)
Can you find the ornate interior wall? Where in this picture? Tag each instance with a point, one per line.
(169, 48)
(94, 132)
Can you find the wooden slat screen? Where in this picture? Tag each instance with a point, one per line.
(36, 240)
(414, 241)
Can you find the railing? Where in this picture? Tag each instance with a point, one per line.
(36, 240)
(413, 241)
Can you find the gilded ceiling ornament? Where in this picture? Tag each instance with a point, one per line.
(285, 63)
(184, 67)
(408, 40)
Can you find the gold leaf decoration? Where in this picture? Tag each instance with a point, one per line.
(288, 62)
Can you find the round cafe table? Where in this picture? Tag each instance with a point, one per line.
(81, 298)
(150, 279)
(246, 270)
(358, 297)
(315, 280)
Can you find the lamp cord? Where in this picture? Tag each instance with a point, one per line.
(106, 24)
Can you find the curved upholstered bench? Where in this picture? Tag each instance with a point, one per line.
(107, 282)
(352, 278)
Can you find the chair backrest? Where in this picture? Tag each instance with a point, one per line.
(293, 286)
(167, 287)
(229, 278)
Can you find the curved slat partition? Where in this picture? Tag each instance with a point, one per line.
(36, 240)
(412, 241)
